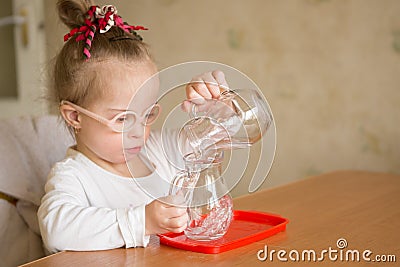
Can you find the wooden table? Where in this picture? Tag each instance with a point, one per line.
(361, 207)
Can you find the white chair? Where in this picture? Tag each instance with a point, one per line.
(29, 146)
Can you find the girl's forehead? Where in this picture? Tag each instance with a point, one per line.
(133, 86)
(130, 74)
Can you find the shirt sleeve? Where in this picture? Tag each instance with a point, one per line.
(68, 222)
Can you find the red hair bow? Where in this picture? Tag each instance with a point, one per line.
(102, 18)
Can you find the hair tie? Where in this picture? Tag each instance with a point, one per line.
(101, 18)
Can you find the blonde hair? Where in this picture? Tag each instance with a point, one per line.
(74, 78)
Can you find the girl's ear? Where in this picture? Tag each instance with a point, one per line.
(71, 116)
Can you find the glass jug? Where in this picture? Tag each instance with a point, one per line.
(207, 199)
(237, 119)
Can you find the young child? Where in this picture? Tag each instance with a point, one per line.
(93, 201)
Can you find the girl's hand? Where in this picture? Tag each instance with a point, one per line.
(205, 86)
(162, 217)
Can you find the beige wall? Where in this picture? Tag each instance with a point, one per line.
(329, 69)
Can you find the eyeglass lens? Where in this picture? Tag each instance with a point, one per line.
(125, 121)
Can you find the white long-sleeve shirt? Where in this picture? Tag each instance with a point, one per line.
(88, 208)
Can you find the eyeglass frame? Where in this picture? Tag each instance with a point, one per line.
(110, 123)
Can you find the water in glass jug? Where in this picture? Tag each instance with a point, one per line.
(206, 197)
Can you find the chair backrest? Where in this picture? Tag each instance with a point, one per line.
(29, 146)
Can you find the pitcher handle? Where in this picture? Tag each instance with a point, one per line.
(177, 182)
(193, 111)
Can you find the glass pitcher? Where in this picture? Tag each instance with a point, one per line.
(208, 202)
(237, 119)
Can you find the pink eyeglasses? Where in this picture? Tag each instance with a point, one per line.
(124, 121)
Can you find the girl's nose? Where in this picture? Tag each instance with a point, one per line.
(137, 131)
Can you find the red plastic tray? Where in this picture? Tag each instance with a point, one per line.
(246, 227)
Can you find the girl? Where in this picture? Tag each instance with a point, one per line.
(91, 200)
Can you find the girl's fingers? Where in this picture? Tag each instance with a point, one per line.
(177, 224)
(213, 89)
(175, 230)
(197, 92)
(174, 212)
(201, 88)
(186, 105)
(178, 229)
(219, 77)
(212, 83)
(208, 85)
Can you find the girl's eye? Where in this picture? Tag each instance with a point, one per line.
(126, 119)
(121, 119)
(150, 115)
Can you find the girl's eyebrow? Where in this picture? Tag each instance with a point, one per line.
(123, 110)
(117, 109)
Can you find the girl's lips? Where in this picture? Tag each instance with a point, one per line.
(133, 150)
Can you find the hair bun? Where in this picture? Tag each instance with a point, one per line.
(72, 12)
